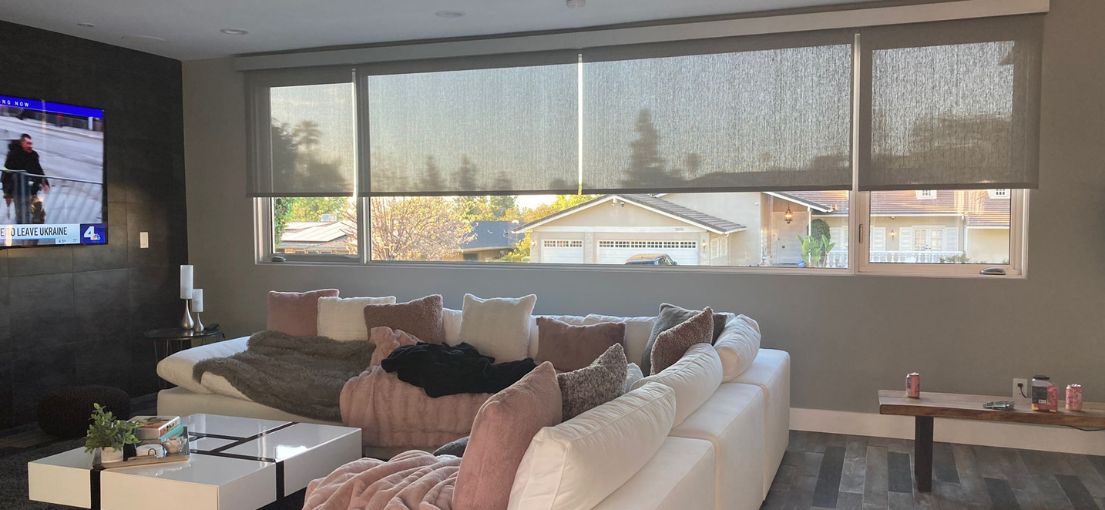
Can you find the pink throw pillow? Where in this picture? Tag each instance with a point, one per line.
(295, 313)
(387, 340)
(501, 433)
(570, 347)
(419, 317)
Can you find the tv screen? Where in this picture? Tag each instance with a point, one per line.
(52, 174)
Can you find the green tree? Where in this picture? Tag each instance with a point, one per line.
(416, 228)
(521, 253)
(820, 229)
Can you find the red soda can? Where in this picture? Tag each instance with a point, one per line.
(1074, 397)
(913, 385)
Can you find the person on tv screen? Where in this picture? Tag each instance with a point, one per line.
(22, 156)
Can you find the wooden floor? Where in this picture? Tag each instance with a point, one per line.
(855, 472)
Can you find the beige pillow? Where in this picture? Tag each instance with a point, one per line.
(418, 317)
(673, 343)
(501, 433)
(580, 462)
(498, 327)
(695, 378)
(342, 319)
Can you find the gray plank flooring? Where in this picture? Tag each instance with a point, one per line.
(832, 471)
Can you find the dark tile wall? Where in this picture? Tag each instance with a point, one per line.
(75, 315)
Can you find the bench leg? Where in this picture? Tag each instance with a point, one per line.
(922, 453)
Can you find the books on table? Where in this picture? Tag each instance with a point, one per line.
(162, 439)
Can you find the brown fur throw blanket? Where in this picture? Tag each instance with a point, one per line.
(299, 375)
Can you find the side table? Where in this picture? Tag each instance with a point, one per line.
(167, 341)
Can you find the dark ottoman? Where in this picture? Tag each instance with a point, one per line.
(64, 411)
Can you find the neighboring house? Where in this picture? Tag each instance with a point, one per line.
(710, 228)
(490, 241)
(318, 238)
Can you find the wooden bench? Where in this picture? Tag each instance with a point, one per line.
(969, 407)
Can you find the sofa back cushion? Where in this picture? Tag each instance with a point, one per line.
(418, 317)
(501, 433)
(694, 378)
(672, 344)
(569, 347)
(498, 327)
(342, 319)
(738, 346)
(580, 462)
(295, 313)
(637, 330)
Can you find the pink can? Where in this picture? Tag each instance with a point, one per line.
(1074, 397)
(913, 385)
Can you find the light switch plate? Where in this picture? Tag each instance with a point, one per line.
(143, 239)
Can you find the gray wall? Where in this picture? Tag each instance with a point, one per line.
(848, 335)
(74, 315)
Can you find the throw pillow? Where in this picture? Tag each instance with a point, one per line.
(498, 327)
(570, 347)
(501, 433)
(673, 343)
(387, 340)
(632, 375)
(671, 316)
(594, 385)
(738, 346)
(295, 313)
(342, 319)
(419, 317)
(455, 448)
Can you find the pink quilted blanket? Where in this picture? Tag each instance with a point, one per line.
(412, 480)
(394, 414)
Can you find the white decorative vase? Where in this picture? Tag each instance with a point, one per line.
(111, 455)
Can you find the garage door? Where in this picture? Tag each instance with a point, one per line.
(562, 251)
(685, 253)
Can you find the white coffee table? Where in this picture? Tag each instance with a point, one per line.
(236, 463)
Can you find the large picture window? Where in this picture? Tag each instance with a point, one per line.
(868, 150)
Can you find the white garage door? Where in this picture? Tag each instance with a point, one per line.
(562, 251)
(685, 253)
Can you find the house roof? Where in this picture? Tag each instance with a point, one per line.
(659, 205)
(492, 235)
(315, 231)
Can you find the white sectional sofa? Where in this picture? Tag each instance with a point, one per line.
(722, 454)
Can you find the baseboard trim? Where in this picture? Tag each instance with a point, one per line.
(1005, 435)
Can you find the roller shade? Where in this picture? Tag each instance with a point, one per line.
(734, 114)
(473, 126)
(950, 105)
(304, 133)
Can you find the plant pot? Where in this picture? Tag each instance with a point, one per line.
(111, 455)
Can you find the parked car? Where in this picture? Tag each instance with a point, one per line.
(650, 259)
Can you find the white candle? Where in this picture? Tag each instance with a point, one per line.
(197, 300)
(185, 282)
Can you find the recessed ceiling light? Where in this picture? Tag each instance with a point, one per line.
(449, 14)
(85, 24)
(233, 31)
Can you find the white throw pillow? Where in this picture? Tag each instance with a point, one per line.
(695, 378)
(342, 319)
(738, 346)
(451, 318)
(580, 462)
(498, 327)
(632, 375)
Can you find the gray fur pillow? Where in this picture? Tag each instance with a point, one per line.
(671, 316)
(593, 385)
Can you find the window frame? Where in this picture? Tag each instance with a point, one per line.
(265, 251)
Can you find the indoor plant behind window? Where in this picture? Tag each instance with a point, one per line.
(108, 435)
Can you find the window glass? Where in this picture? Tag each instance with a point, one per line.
(306, 226)
(940, 227)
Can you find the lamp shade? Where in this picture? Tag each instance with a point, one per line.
(186, 282)
(197, 300)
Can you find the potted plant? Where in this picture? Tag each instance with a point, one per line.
(108, 435)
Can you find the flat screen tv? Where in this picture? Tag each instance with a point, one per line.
(52, 174)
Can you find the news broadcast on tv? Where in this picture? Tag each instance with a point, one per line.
(53, 173)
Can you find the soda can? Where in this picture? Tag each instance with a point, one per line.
(1074, 397)
(913, 385)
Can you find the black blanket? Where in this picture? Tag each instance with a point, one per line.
(447, 370)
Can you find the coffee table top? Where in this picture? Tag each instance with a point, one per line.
(227, 453)
(969, 407)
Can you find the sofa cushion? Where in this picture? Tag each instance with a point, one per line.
(419, 317)
(342, 319)
(632, 375)
(738, 345)
(569, 347)
(673, 343)
(678, 477)
(498, 327)
(295, 313)
(580, 462)
(593, 385)
(694, 378)
(387, 340)
(669, 317)
(501, 433)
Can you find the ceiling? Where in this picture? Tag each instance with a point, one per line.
(191, 29)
